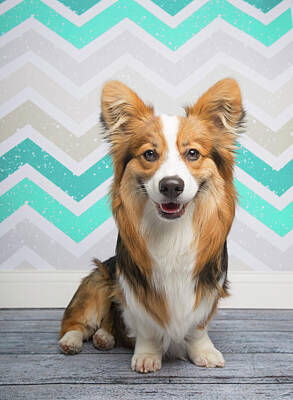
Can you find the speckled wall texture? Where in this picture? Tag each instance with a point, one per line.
(55, 171)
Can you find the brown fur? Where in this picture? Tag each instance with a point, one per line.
(217, 116)
(210, 126)
(90, 304)
(96, 304)
(151, 299)
(133, 129)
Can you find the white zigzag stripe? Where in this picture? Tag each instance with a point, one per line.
(28, 132)
(129, 26)
(26, 212)
(35, 43)
(157, 11)
(233, 67)
(237, 251)
(276, 162)
(274, 123)
(76, 167)
(282, 243)
(278, 202)
(73, 17)
(8, 4)
(76, 207)
(79, 127)
(265, 18)
(26, 254)
(77, 249)
(221, 25)
(172, 21)
(41, 242)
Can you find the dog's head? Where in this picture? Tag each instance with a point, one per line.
(168, 159)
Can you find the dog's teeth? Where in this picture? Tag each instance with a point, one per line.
(180, 206)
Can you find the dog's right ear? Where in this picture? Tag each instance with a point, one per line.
(120, 104)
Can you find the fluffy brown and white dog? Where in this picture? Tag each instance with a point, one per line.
(173, 200)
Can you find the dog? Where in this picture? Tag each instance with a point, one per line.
(173, 200)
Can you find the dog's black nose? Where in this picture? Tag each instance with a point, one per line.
(171, 186)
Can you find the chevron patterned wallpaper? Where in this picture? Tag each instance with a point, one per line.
(55, 172)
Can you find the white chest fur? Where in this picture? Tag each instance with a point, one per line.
(170, 246)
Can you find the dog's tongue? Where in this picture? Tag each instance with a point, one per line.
(170, 207)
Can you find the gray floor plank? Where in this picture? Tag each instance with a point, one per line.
(115, 368)
(240, 325)
(227, 342)
(30, 326)
(256, 314)
(222, 314)
(16, 314)
(144, 391)
(257, 345)
(215, 326)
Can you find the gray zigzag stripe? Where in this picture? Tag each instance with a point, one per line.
(26, 234)
(173, 72)
(260, 248)
(80, 109)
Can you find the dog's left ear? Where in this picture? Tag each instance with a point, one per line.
(221, 105)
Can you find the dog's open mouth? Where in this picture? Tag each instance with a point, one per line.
(171, 210)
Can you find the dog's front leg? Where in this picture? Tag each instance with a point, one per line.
(147, 355)
(201, 350)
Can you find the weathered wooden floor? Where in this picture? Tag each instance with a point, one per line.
(257, 345)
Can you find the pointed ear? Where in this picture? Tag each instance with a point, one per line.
(222, 105)
(120, 104)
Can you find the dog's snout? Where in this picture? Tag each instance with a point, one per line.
(171, 186)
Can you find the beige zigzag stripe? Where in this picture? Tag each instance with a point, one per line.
(79, 108)
(80, 147)
(171, 69)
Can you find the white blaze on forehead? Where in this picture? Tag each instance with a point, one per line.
(170, 130)
(172, 165)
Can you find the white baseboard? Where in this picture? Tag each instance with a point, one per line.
(55, 289)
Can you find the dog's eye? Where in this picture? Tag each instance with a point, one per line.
(192, 154)
(151, 155)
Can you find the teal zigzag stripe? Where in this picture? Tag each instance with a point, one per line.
(281, 222)
(78, 227)
(172, 7)
(276, 181)
(264, 5)
(79, 6)
(170, 37)
(27, 152)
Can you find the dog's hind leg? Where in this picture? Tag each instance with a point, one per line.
(103, 338)
(89, 307)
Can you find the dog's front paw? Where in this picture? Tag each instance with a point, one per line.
(103, 340)
(146, 362)
(208, 357)
(71, 342)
